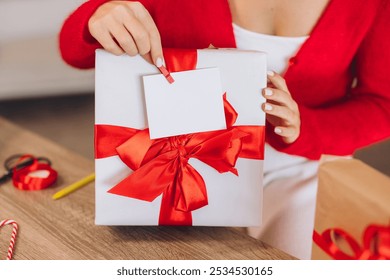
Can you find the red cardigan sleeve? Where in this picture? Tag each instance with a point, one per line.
(77, 46)
(364, 116)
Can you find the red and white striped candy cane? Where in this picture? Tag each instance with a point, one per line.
(13, 236)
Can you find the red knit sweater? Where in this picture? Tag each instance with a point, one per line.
(351, 40)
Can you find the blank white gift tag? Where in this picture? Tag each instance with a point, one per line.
(193, 103)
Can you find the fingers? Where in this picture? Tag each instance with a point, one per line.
(277, 80)
(121, 26)
(124, 39)
(109, 44)
(286, 121)
(286, 124)
(279, 96)
(288, 133)
(154, 35)
(281, 109)
(288, 116)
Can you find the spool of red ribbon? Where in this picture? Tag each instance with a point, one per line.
(30, 173)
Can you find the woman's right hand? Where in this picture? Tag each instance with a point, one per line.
(127, 27)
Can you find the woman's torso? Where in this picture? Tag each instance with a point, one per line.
(326, 56)
(279, 49)
(278, 17)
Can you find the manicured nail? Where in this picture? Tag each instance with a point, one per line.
(267, 107)
(270, 73)
(268, 92)
(277, 130)
(159, 62)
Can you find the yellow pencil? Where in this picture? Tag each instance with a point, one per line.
(75, 186)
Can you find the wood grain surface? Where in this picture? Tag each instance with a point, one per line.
(65, 229)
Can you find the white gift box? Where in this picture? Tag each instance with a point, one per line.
(119, 101)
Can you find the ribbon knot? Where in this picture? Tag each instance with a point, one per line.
(179, 143)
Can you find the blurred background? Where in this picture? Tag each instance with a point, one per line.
(41, 93)
(37, 89)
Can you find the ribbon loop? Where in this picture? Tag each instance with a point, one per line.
(375, 246)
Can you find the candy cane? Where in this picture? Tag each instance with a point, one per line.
(13, 236)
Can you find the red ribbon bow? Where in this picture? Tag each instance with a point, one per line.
(161, 166)
(376, 243)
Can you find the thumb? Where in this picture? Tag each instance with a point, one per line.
(157, 60)
(156, 52)
(148, 58)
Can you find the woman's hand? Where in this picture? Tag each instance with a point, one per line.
(127, 27)
(281, 109)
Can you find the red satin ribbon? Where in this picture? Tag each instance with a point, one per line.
(376, 243)
(161, 166)
(23, 180)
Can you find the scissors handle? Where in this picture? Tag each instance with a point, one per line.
(10, 168)
(5, 177)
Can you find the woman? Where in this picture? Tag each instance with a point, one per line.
(331, 95)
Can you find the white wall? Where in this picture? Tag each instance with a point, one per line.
(32, 18)
(30, 62)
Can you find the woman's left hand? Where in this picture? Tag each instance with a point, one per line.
(281, 110)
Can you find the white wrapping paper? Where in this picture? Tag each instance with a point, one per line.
(232, 200)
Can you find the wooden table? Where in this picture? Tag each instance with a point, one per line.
(65, 229)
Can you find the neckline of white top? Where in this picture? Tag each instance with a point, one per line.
(272, 37)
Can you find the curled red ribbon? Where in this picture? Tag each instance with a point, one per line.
(23, 178)
(376, 243)
(161, 166)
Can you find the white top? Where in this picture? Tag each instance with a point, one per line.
(279, 50)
